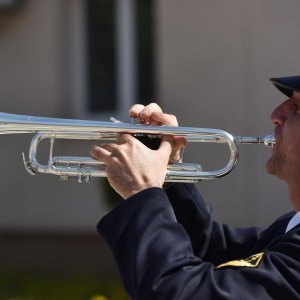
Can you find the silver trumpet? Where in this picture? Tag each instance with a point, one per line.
(83, 168)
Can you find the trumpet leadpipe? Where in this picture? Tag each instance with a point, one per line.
(268, 140)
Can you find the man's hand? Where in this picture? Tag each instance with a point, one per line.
(131, 166)
(152, 114)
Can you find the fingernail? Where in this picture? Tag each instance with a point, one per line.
(94, 149)
(94, 146)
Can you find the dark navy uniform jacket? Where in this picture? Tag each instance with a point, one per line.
(167, 246)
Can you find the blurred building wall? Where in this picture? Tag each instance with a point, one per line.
(36, 78)
(213, 61)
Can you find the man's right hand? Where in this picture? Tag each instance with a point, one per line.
(152, 114)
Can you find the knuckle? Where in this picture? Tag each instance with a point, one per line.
(136, 109)
(154, 106)
(132, 142)
(140, 107)
(115, 152)
(173, 119)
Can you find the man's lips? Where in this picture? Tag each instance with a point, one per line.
(277, 134)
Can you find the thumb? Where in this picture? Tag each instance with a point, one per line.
(166, 145)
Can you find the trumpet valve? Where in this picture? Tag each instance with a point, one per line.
(79, 178)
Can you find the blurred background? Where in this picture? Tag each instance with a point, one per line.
(207, 62)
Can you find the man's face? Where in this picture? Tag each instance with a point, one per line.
(285, 159)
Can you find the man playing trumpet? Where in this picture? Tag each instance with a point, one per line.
(164, 240)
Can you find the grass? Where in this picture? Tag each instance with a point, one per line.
(47, 286)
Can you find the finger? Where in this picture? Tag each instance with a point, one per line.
(166, 145)
(100, 153)
(150, 109)
(179, 142)
(125, 138)
(135, 110)
(112, 147)
(163, 119)
(147, 112)
(177, 145)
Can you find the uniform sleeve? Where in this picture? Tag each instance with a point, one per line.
(156, 259)
(210, 240)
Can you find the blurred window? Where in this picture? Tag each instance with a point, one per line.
(120, 39)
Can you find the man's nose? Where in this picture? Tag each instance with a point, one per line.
(278, 115)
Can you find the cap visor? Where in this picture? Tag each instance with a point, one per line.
(287, 85)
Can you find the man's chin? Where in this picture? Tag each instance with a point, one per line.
(271, 167)
(274, 168)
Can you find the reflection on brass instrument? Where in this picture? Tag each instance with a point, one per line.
(83, 168)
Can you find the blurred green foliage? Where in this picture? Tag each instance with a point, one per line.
(46, 286)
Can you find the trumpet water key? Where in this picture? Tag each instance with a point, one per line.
(83, 168)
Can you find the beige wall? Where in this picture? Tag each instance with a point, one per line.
(213, 60)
